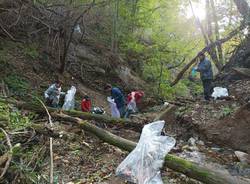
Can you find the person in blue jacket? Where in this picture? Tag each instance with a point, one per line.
(118, 96)
(206, 74)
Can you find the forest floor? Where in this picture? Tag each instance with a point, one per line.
(206, 133)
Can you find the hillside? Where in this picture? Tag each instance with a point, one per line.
(166, 49)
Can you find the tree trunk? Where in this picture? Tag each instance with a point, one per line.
(212, 52)
(217, 34)
(114, 39)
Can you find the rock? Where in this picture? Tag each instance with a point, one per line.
(194, 148)
(190, 148)
(201, 143)
(191, 141)
(216, 149)
(243, 157)
(100, 70)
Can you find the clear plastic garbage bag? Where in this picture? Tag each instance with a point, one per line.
(132, 106)
(114, 110)
(142, 165)
(219, 92)
(69, 101)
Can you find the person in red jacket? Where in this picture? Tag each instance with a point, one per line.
(86, 104)
(137, 95)
(132, 100)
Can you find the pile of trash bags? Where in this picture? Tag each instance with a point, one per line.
(142, 165)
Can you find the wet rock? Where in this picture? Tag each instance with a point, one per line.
(243, 157)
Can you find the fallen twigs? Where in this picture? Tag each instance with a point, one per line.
(9, 155)
(50, 144)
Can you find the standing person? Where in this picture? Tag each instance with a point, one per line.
(52, 94)
(133, 99)
(206, 73)
(86, 104)
(118, 96)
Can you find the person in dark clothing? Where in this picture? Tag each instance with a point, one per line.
(206, 74)
(118, 96)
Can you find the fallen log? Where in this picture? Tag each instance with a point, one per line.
(175, 163)
(242, 71)
(127, 123)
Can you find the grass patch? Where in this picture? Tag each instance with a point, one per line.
(31, 51)
(17, 84)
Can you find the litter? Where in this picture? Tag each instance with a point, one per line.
(142, 165)
(219, 92)
(77, 28)
(97, 110)
(69, 101)
(114, 110)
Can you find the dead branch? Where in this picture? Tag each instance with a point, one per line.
(9, 155)
(50, 143)
(177, 65)
(18, 17)
(7, 33)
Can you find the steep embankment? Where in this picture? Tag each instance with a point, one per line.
(26, 69)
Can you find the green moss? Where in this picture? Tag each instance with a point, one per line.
(187, 166)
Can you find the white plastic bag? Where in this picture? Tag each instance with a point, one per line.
(77, 28)
(114, 110)
(69, 101)
(142, 165)
(219, 92)
(132, 106)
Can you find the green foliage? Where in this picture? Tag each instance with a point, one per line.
(31, 51)
(225, 111)
(17, 121)
(26, 173)
(181, 111)
(17, 84)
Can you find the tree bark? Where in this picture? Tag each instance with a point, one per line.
(212, 52)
